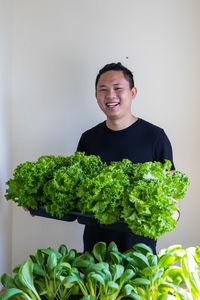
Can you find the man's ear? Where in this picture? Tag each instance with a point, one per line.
(134, 92)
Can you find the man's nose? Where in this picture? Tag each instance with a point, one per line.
(111, 94)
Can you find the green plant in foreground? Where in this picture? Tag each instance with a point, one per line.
(44, 273)
(107, 274)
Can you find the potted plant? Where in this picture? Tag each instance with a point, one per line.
(141, 195)
(106, 274)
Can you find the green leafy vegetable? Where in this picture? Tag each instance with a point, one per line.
(94, 275)
(144, 195)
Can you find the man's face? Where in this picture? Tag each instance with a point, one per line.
(114, 95)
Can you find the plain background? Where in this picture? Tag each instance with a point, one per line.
(50, 53)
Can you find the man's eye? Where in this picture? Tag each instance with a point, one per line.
(117, 89)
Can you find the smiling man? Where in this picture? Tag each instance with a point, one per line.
(121, 135)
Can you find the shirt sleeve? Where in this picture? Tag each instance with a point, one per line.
(80, 147)
(163, 149)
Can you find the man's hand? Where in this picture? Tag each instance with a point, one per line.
(27, 209)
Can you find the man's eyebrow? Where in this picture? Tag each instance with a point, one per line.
(104, 85)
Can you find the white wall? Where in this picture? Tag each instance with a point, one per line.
(5, 60)
(59, 47)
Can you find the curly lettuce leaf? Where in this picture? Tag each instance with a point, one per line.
(143, 194)
(102, 194)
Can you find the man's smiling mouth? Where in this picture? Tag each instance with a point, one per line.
(112, 104)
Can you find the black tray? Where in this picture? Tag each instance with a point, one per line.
(85, 219)
(41, 212)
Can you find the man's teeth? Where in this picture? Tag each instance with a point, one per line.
(112, 104)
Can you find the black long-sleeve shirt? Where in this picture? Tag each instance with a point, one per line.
(140, 142)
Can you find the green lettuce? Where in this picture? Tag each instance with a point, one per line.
(102, 195)
(144, 195)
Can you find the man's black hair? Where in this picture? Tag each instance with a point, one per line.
(116, 67)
